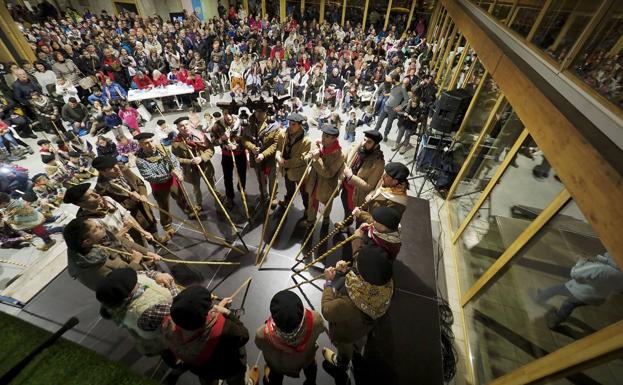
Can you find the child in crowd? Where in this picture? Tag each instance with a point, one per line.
(112, 121)
(106, 147)
(165, 133)
(350, 126)
(130, 117)
(126, 148)
(78, 167)
(47, 191)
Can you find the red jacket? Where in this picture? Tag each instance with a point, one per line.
(274, 52)
(181, 76)
(161, 81)
(197, 83)
(142, 83)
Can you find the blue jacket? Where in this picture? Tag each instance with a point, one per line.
(102, 98)
(112, 120)
(114, 91)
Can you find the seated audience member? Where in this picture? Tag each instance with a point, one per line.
(126, 148)
(112, 121)
(165, 133)
(114, 92)
(65, 90)
(98, 95)
(130, 117)
(46, 112)
(106, 147)
(76, 114)
(142, 81)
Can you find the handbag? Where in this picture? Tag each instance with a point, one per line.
(87, 82)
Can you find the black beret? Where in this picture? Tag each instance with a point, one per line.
(190, 307)
(180, 119)
(217, 115)
(69, 135)
(330, 129)
(104, 162)
(116, 287)
(397, 171)
(287, 310)
(75, 193)
(37, 176)
(296, 117)
(374, 135)
(386, 216)
(74, 154)
(143, 135)
(41, 142)
(60, 142)
(374, 265)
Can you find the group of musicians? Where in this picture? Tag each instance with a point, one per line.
(110, 244)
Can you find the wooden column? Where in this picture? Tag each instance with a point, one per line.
(413, 2)
(389, 10)
(263, 8)
(321, 17)
(538, 20)
(365, 16)
(282, 10)
(245, 5)
(343, 12)
(563, 31)
(302, 7)
(15, 36)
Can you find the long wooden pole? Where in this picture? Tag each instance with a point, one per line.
(215, 195)
(285, 214)
(272, 196)
(180, 260)
(327, 253)
(245, 283)
(315, 278)
(318, 220)
(242, 193)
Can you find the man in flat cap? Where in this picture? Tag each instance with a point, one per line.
(292, 160)
(352, 301)
(383, 232)
(209, 339)
(109, 212)
(193, 149)
(89, 263)
(288, 339)
(364, 168)
(262, 139)
(162, 170)
(138, 301)
(225, 132)
(392, 193)
(121, 184)
(327, 165)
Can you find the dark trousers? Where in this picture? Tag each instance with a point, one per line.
(567, 306)
(162, 198)
(291, 187)
(228, 172)
(391, 115)
(310, 373)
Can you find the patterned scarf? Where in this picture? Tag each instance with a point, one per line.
(388, 241)
(370, 299)
(295, 341)
(331, 149)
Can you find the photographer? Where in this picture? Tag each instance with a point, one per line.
(408, 122)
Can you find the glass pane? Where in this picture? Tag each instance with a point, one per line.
(502, 11)
(561, 287)
(475, 76)
(452, 62)
(376, 14)
(599, 62)
(476, 120)
(608, 373)
(487, 158)
(525, 17)
(484, 4)
(562, 24)
(527, 186)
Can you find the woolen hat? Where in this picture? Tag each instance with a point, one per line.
(37, 176)
(116, 287)
(374, 265)
(286, 309)
(330, 129)
(397, 171)
(143, 135)
(74, 154)
(41, 142)
(190, 307)
(386, 216)
(75, 193)
(104, 162)
(374, 135)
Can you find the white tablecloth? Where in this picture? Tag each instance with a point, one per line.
(160, 92)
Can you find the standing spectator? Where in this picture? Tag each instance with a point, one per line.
(45, 77)
(398, 99)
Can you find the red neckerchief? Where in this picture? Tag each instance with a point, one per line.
(269, 332)
(331, 149)
(392, 248)
(182, 339)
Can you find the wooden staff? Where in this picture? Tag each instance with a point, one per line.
(285, 214)
(245, 283)
(327, 253)
(187, 197)
(318, 220)
(242, 193)
(215, 195)
(58, 132)
(272, 196)
(180, 260)
(220, 241)
(315, 278)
